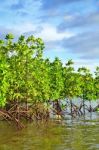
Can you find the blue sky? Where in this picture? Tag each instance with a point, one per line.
(69, 28)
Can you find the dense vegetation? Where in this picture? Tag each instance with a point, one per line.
(29, 82)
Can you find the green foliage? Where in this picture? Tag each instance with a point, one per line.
(56, 79)
(87, 84)
(26, 76)
(3, 80)
(71, 81)
(96, 82)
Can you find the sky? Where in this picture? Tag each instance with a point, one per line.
(69, 28)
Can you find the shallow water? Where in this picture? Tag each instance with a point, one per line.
(69, 134)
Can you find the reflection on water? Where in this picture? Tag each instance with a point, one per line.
(69, 134)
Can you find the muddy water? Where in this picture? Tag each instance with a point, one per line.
(69, 134)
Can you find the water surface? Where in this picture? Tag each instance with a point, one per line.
(69, 134)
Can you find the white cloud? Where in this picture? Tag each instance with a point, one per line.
(68, 17)
(48, 32)
(24, 27)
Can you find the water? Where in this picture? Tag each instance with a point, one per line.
(69, 134)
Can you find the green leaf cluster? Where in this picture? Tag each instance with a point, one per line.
(25, 76)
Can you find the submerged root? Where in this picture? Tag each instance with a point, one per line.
(17, 113)
(5, 115)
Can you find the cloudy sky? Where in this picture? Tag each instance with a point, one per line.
(69, 28)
